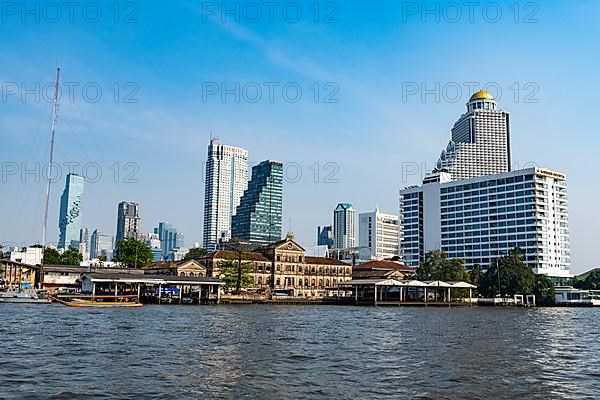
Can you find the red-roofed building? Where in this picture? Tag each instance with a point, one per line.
(382, 270)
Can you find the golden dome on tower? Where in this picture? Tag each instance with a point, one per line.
(481, 95)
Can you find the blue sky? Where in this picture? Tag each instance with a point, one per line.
(368, 58)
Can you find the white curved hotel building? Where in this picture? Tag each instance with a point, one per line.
(483, 216)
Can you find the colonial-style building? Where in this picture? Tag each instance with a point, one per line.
(176, 268)
(284, 267)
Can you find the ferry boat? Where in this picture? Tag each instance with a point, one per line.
(29, 296)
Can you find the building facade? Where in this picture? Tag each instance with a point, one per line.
(283, 266)
(258, 217)
(226, 181)
(480, 142)
(481, 219)
(128, 221)
(378, 235)
(325, 236)
(69, 221)
(169, 238)
(344, 226)
(101, 246)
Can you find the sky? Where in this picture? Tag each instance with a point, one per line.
(356, 99)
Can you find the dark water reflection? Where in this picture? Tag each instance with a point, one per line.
(298, 352)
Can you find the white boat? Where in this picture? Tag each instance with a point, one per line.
(23, 296)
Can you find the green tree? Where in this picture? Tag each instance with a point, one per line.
(52, 257)
(133, 253)
(508, 276)
(236, 274)
(476, 274)
(437, 266)
(543, 290)
(195, 254)
(71, 256)
(592, 281)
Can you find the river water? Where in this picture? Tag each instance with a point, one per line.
(298, 352)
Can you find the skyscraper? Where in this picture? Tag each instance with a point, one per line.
(480, 142)
(344, 226)
(128, 221)
(69, 223)
(325, 236)
(84, 243)
(169, 238)
(258, 217)
(378, 235)
(101, 245)
(226, 181)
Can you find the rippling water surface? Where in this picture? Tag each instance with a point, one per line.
(281, 352)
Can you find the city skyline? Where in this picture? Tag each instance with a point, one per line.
(376, 120)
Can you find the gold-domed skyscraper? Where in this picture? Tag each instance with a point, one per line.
(480, 143)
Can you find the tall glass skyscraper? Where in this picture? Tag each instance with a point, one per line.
(101, 245)
(226, 180)
(344, 226)
(128, 221)
(69, 222)
(480, 142)
(258, 217)
(169, 238)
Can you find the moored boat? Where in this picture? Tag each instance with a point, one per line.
(97, 301)
(28, 296)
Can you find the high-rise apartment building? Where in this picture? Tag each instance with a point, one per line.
(344, 226)
(226, 181)
(84, 243)
(258, 217)
(128, 221)
(69, 222)
(101, 245)
(480, 142)
(481, 219)
(378, 235)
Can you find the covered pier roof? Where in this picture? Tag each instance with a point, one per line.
(153, 279)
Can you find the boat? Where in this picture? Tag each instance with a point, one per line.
(28, 296)
(97, 301)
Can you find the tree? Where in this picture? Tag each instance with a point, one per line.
(195, 254)
(438, 267)
(508, 276)
(476, 275)
(543, 290)
(236, 274)
(51, 257)
(592, 281)
(133, 253)
(71, 256)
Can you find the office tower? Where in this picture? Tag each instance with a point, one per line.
(344, 226)
(128, 221)
(69, 223)
(101, 246)
(226, 181)
(153, 241)
(480, 142)
(169, 238)
(84, 243)
(258, 217)
(481, 219)
(325, 236)
(378, 235)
